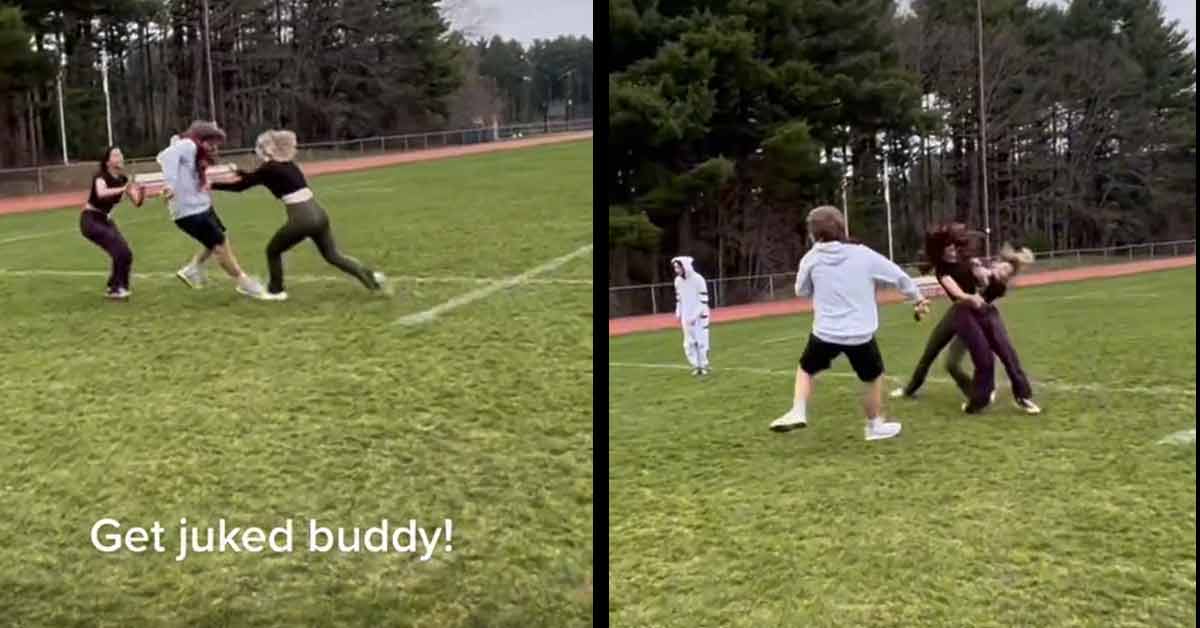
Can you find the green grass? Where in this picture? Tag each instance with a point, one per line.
(204, 404)
(1072, 518)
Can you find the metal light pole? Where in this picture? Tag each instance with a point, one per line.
(845, 208)
(62, 116)
(887, 201)
(987, 224)
(527, 98)
(107, 100)
(569, 74)
(212, 107)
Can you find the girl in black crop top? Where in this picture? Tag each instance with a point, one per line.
(305, 218)
(107, 186)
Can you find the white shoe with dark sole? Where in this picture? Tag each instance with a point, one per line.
(788, 422)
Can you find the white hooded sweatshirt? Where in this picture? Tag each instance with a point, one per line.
(691, 292)
(841, 279)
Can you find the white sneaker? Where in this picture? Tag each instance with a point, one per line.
(878, 429)
(274, 296)
(384, 287)
(898, 393)
(120, 294)
(1028, 406)
(251, 288)
(789, 421)
(192, 277)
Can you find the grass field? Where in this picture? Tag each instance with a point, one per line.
(204, 404)
(1074, 518)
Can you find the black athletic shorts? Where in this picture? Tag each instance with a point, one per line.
(205, 227)
(864, 359)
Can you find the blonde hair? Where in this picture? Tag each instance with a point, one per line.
(276, 145)
(1017, 257)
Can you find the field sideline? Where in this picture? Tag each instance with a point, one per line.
(206, 405)
(42, 202)
(656, 322)
(1081, 517)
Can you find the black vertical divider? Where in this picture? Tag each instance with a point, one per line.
(600, 178)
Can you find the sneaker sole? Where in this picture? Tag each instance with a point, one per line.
(256, 297)
(787, 428)
(187, 282)
(874, 438)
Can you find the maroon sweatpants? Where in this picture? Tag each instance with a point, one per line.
(983, 333)
(969, 328)
(1002, 346)
(104, 233)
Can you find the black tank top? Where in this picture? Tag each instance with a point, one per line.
(280, 177)
(106, 205)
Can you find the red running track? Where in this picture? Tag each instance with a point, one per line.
(42, 202)
(658, 322)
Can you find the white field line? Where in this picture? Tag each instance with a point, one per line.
(429, 315)
(1059, 386)
(1186, 437)
(300, 278)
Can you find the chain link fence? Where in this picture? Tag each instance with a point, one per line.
(76, 176)
(659, 298)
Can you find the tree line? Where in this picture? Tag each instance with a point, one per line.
(329, 70)
(729, 119)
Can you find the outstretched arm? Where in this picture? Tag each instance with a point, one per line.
(244, 181)
(884, 270)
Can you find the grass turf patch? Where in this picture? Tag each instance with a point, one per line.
(1076, 517)
(203, 404)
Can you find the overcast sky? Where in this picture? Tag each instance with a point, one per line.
(1185, 12)
(523, 20)
(1182, 10)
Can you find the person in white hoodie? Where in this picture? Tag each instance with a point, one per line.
(691, 308)
(841, 278)
(184, 164)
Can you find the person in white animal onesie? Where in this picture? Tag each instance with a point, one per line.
(691, 308)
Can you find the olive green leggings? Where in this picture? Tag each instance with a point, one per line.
(308, 220)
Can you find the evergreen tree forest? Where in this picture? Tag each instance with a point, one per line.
(730, 119)
(328, 69)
